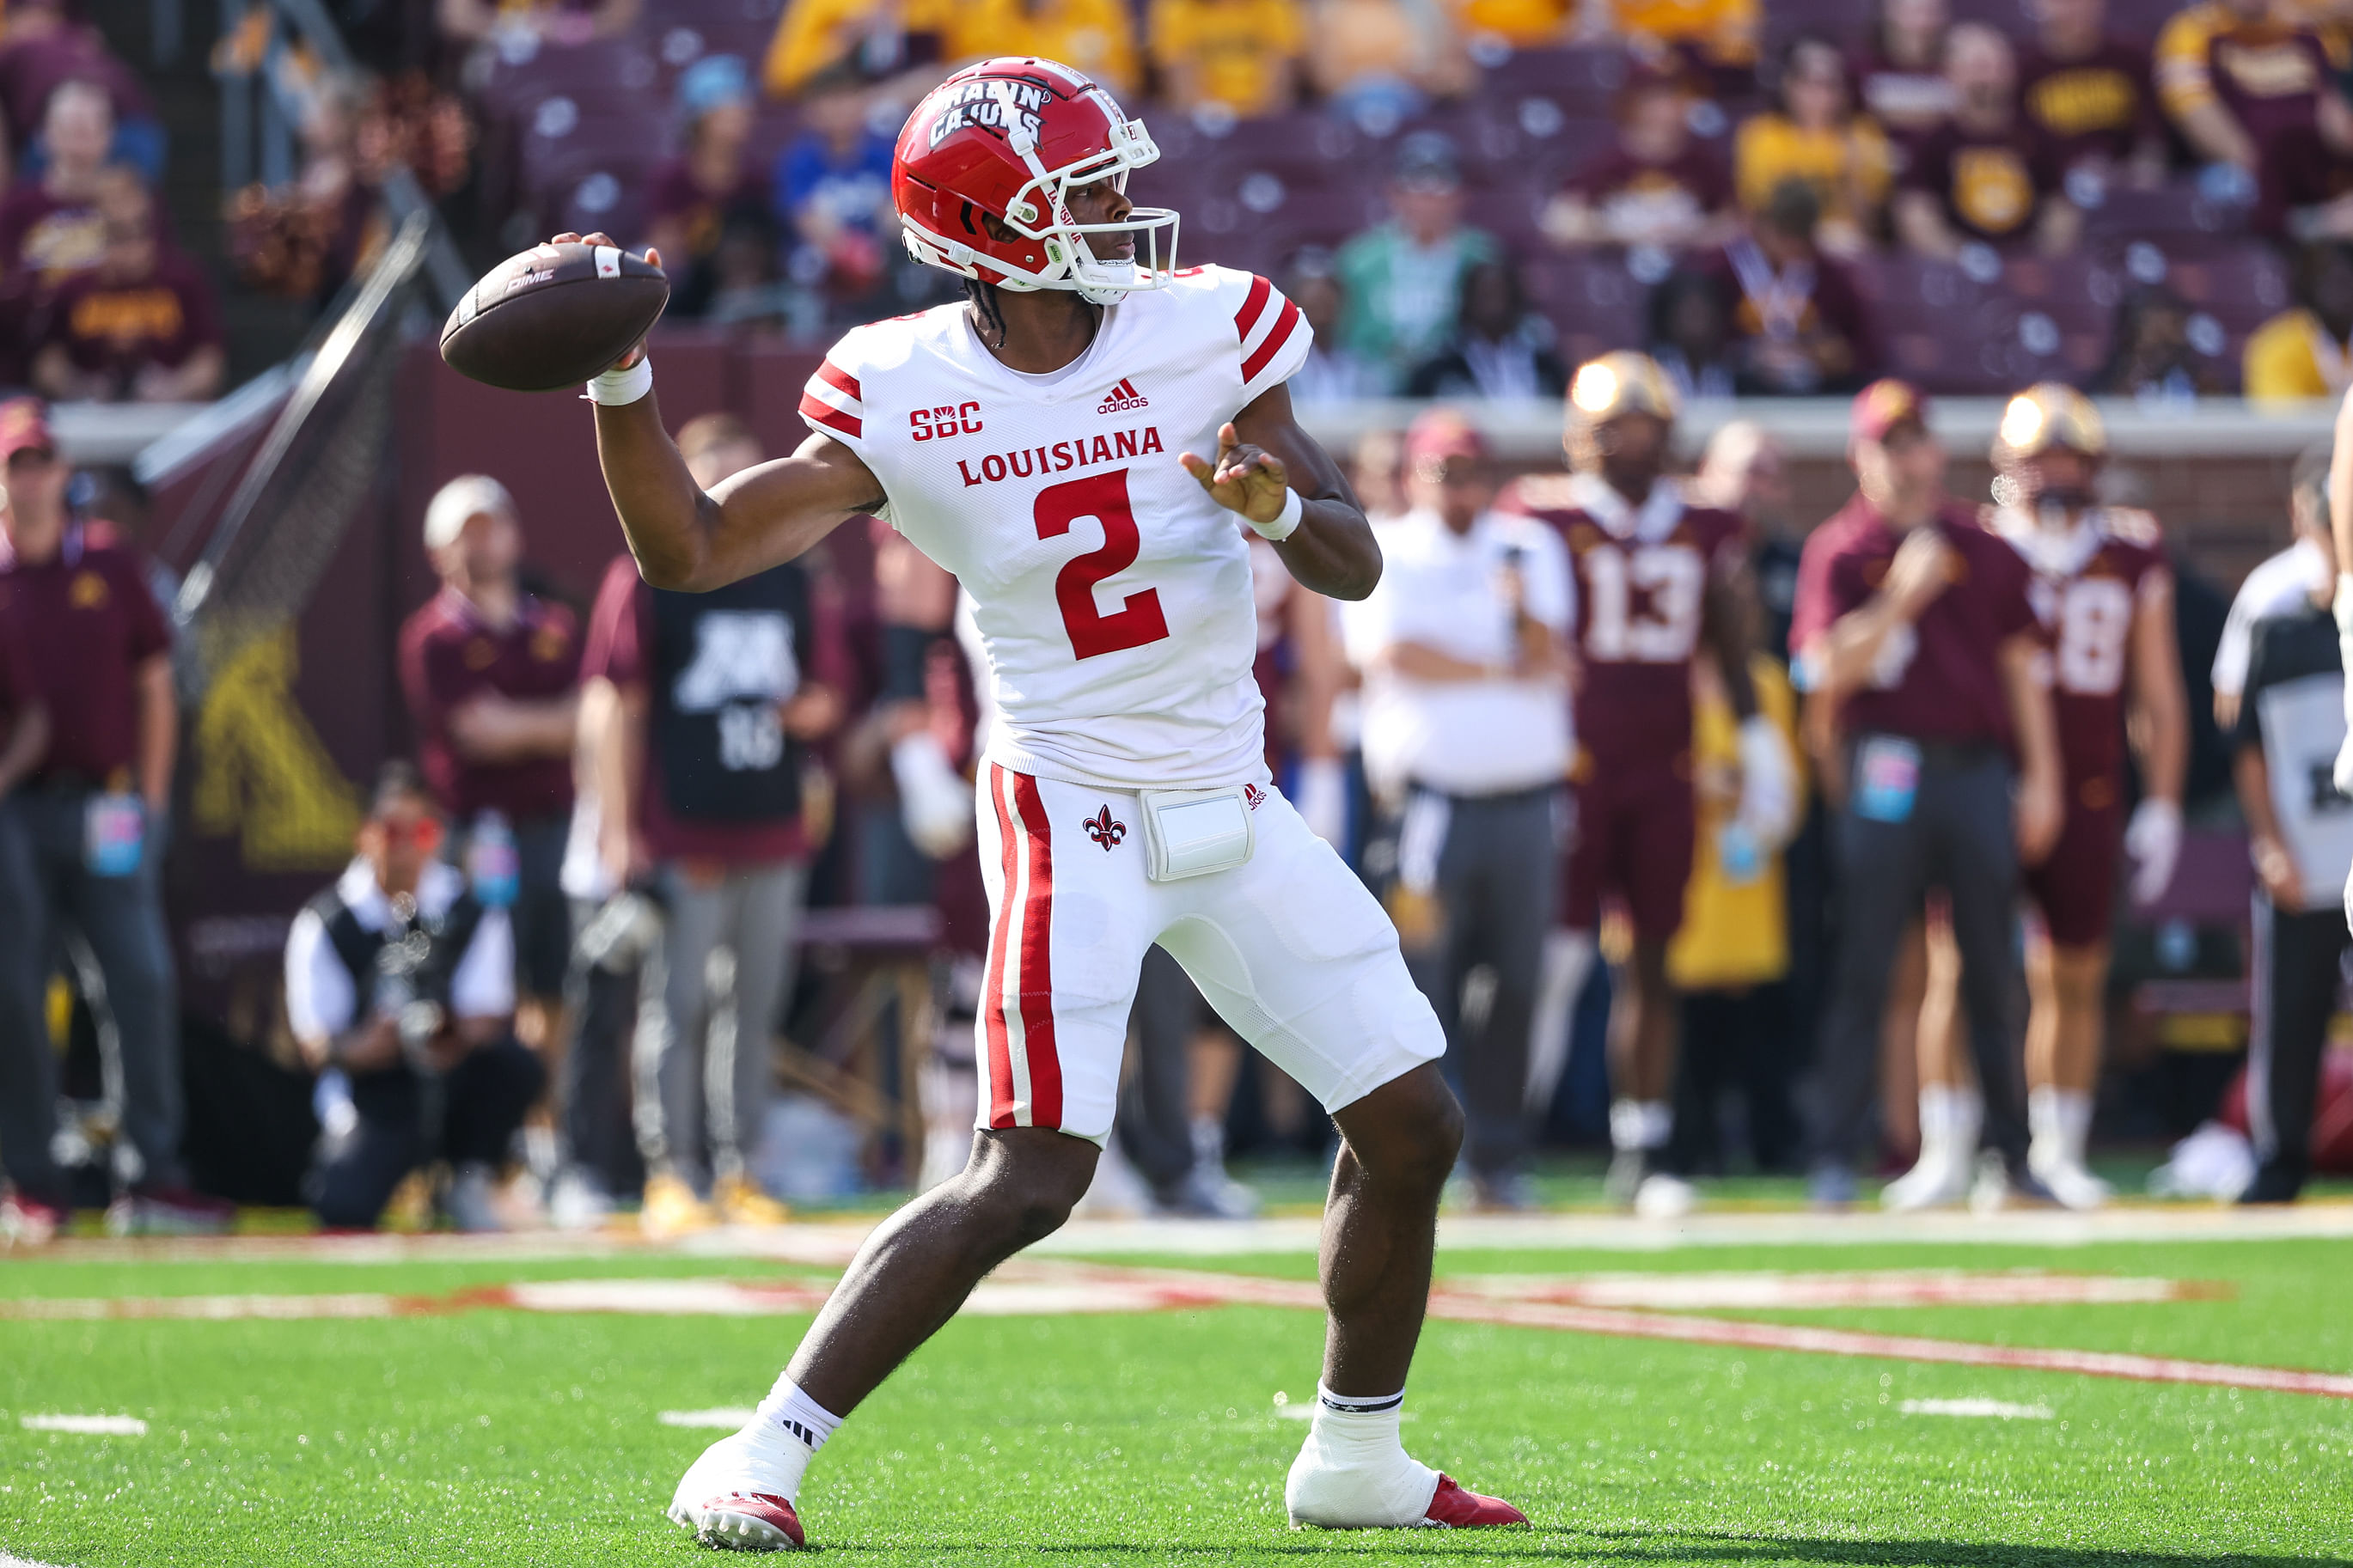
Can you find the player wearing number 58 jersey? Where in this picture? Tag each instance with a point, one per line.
(2103, 594)
(1657, 582)
(1074, 442)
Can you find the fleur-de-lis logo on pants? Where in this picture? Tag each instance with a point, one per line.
(1104, 831)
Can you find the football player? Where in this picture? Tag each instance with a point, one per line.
(2104, 593)
(1655, 580)
(1075, 443)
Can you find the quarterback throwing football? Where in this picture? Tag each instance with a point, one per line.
(1082, 443)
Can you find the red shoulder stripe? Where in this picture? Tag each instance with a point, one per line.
(1254, 307)
(1284, 325)
(826, 414)
(840, 380)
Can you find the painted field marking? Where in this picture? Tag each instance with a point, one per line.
(729, 1419)
(1999, 1410)
(87, 1426)
(1773, 1291)
(1048, 1287)
(832, 1243)
(357, 1304)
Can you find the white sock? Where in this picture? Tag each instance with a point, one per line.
(1568, 960)
(789, 1410)
(2059, 1119)
(1950, 1117)
(1639, 1124)
(1353, 1469)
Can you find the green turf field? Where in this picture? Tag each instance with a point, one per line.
(512, 1437)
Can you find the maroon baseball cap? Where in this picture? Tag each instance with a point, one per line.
(1442, 433)
(1885, 407)
(25, 427)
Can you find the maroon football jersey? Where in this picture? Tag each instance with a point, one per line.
(1640, 577)
(2085, 588)
(1943, 681)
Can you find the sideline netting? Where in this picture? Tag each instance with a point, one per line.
(324, 460)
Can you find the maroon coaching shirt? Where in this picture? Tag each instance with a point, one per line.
(87, 622)
(621, 649)
(1949, 687)
(450, 655)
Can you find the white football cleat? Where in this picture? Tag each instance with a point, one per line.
(1937, 1182)
(738, 1495)
(2075, 1187)
(1392, 1492)
(1665, 1196)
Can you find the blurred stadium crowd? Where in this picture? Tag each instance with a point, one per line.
(2132, 197)
(1466, 201)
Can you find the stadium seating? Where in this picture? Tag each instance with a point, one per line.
(572, 134)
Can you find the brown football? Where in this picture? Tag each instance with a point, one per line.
(554, 316)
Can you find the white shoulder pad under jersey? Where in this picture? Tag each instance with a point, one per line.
(1113, 596)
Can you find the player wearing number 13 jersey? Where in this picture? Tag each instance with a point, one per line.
(1075, 442)
(1656, 581)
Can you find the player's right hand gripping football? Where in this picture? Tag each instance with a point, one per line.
(636, 350)
(1246, 479)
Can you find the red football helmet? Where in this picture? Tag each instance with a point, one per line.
(1009, 137)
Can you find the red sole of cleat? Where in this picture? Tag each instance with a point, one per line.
(749, 1524)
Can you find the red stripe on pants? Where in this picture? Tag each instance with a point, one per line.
(1037, 971)
(1000, 1052)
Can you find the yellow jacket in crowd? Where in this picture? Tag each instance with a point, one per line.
(1734, 935)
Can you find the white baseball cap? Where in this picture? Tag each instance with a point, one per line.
(466, 496)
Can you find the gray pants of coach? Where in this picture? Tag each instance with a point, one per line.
(114, 924)
(707, 1001)
(1958, 835)
(1497, 863)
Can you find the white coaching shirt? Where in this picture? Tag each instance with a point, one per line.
(319, 997)
(1113, 596)
(1442, 590)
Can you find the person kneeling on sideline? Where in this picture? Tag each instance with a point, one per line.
(401, 982)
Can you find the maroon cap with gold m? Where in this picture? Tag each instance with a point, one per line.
(25, 427)
(1885, 407)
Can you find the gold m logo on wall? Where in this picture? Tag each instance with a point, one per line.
(261, 772)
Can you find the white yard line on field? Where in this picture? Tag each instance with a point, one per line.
(1997, 1409)
(831, 1243)
(87, 1426)
(1053, 1287)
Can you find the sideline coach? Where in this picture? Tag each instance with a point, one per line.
(1914, 622)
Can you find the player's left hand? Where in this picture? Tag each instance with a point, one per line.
(1245, 479)
(2153, 839)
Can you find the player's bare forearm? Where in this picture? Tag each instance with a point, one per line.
(159, 731)
(1419, 661)
(1333, 551)
(2033, 717)
(28, 740)
(2160, 719)
(1847, 652)
(2209, 128)
(693, 542)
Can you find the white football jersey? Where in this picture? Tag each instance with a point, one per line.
(1113, 596)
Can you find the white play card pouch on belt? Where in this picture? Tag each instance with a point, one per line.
(1192, 832)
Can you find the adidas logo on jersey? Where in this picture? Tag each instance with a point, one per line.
(1122, 398)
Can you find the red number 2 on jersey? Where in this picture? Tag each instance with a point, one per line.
(1139, 620)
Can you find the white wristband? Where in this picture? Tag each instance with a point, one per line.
(616, 387)
(1286, 522)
